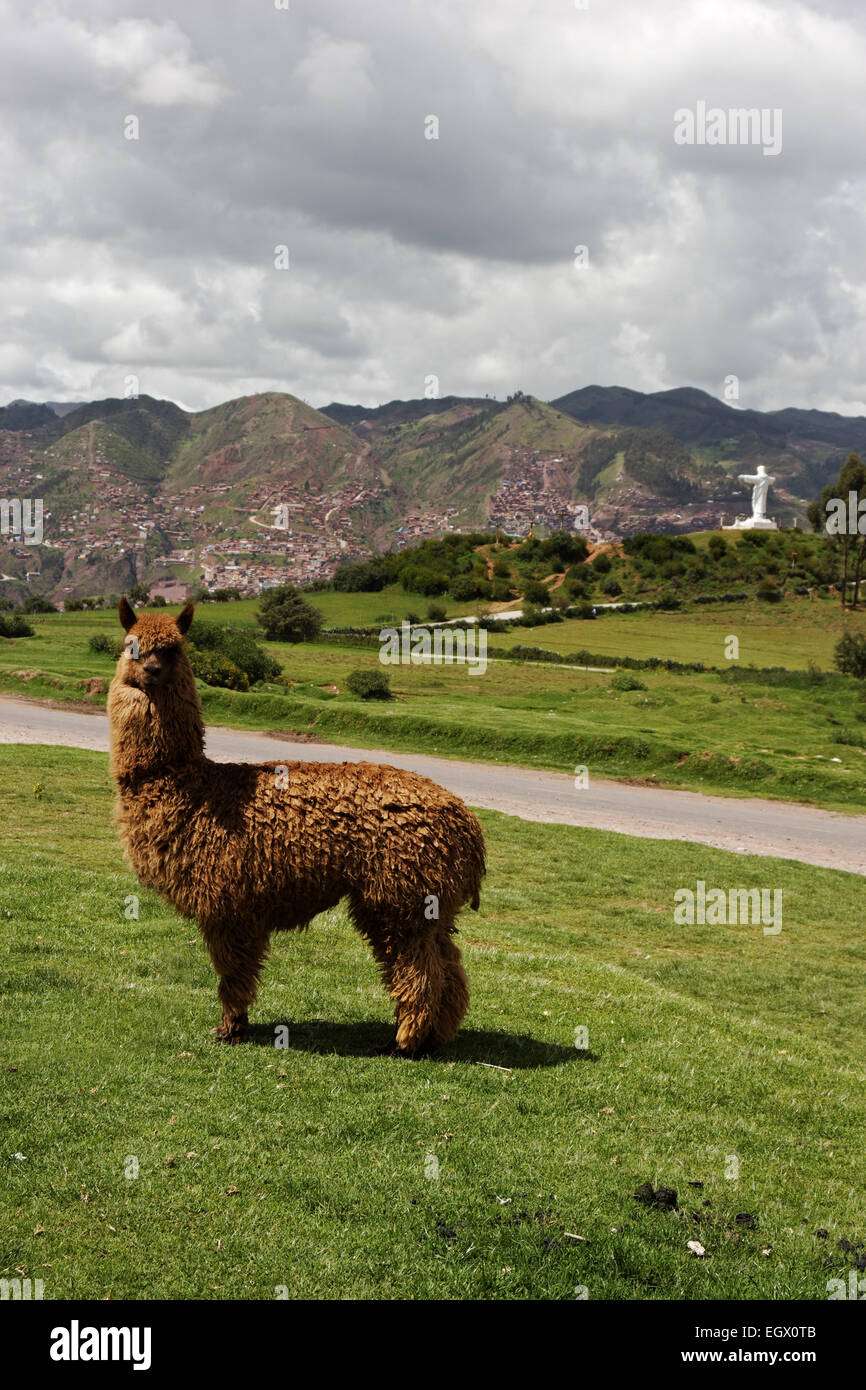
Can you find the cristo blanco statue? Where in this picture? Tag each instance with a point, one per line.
(758, 521)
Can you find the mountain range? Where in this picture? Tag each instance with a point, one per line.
(266, 487)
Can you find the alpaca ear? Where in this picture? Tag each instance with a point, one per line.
(184, 619)
(126, 612)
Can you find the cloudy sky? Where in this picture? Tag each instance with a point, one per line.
(306, 125)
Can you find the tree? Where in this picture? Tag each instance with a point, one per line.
(359, 576)
(286, 616)
(139, 593)
(369, 685)
(852, 478)
(38, 603)
(536, 593)
(850, 655)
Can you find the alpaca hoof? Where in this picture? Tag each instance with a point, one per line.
(425, 1047)
(231, 1033)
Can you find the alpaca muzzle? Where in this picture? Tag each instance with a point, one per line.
(153, 673)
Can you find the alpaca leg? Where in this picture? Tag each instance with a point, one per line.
(454, 1000)
(239, 966)
(414, 978)
(422, 973)
(426, 980)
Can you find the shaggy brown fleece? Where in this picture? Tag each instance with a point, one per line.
(249, 849)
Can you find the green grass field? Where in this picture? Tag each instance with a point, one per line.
(142, 1159)
(726, 731)
(795, 633)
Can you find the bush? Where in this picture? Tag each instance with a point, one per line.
(623, 681)
(238, 646)
(101, 642)
(612, 588)
(360, 576)
(536, 592)
(436, 613)
(369, 685)
(286, 616)
(470, 586)
(850, 655)
(423, 581)
(602, 563)
(14, 627)
(769, 591)
(214, 668)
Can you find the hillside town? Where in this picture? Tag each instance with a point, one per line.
(279, 534)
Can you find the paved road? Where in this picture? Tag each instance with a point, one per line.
(745, 826)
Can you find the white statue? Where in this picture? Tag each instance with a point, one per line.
(760, 484)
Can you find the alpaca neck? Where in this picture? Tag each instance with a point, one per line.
(160, 732)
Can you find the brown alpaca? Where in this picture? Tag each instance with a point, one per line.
(249, 849)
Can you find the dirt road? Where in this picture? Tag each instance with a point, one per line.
(748, 826)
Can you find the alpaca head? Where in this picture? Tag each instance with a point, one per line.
(153, 657)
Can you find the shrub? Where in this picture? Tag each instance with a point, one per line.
(214, 668)
(602, 563)
(623, 681)
(360, 576)
(239, 646)
(611, 587)
(369, 685)
(769, 591)
(470, 586)
(14, 627)
(424, 581)
(286, 616)
(436, 613)
(101, 642)
(537, 593)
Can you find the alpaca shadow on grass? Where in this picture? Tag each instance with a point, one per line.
(511, 1051)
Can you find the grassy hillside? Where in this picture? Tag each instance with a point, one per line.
(325, 1170)
(263, 439)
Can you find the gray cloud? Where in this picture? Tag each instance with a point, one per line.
(260, 127)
